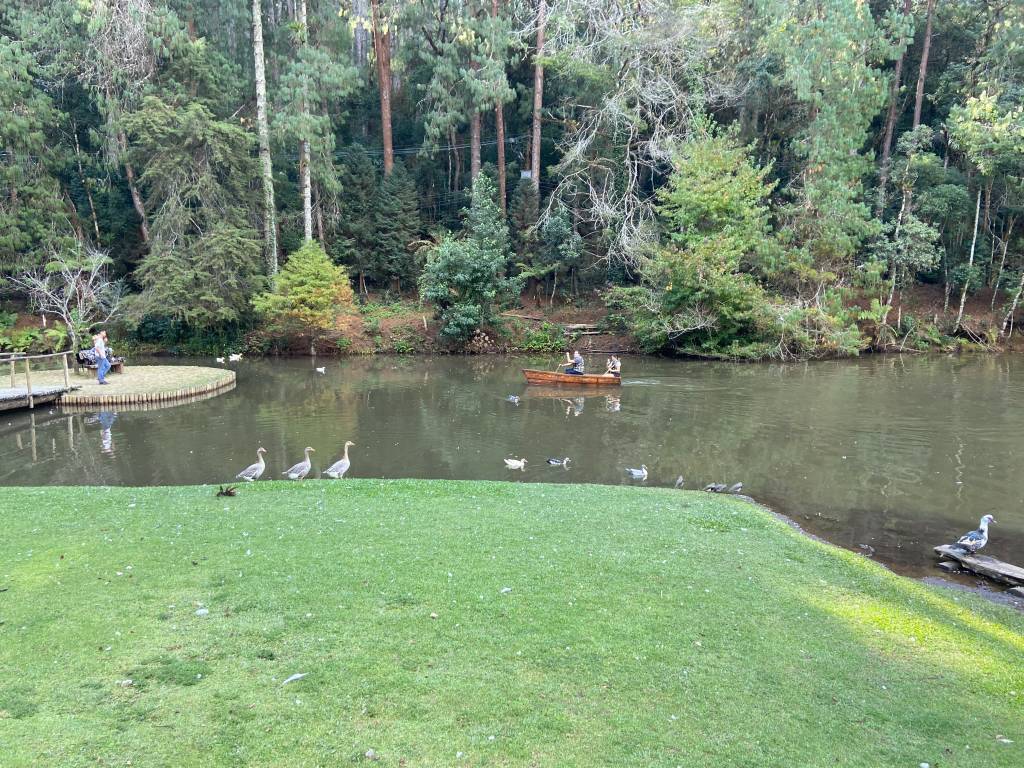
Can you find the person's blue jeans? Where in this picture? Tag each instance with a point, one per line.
(102, 366)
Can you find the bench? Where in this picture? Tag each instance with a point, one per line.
(87, 359)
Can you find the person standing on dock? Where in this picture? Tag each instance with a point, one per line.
(99, 347)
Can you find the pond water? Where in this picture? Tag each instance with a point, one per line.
(893, 453)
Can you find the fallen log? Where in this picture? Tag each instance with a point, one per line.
(983, 565)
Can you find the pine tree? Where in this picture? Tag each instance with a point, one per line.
(397, 224)
(357, 240)
(484, 222)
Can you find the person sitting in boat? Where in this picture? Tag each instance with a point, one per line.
(614, 367)
(575, 364)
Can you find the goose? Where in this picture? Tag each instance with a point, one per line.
(301, 469)
(254, 471)
(975, 540)
(680, 482)
(233, 358)
(219, 360)
(515, 464)
(714, 487)
(514, 399)
(735, 488)
(338, 469)
(638, 474)
(321, 371)
(559, 462)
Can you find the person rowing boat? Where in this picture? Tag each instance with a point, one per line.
(575, 364)
(614, 367)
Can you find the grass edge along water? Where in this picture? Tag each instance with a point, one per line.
(478, 623)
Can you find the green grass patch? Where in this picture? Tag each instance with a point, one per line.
(470, 624)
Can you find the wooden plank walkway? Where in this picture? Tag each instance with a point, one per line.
(995, 569)
(17, 397)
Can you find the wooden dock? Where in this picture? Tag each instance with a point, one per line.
(983, 565)
(18, 397)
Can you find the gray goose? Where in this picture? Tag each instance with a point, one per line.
(301, 469)
(254, 471)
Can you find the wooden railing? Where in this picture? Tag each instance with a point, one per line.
(16, 357)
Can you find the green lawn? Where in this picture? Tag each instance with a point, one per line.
(466, 624)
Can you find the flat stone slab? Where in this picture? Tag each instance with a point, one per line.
(995, 569)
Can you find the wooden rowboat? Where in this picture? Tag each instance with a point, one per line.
(552, 377)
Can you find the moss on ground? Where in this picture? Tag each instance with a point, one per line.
(469, 623)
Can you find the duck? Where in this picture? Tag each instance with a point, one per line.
(321, 371)
(714, 487)
(515, 463)
(219, 360)
(735, 488)
(975, 540)
(234, 358)
(254, 471)
(301, 469)
(559, 462)
(638, 474)
(514, 399)
(680, 482)
(338, 469)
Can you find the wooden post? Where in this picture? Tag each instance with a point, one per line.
(28, 384)
(67, 377)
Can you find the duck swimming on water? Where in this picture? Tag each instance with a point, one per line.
(515, 464)
(975, 540)
(638, 474)
(559, 462)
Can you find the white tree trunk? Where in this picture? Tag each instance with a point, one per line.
(307, 191)
(970, 263)
(263, 134)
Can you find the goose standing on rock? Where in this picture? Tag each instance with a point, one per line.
(301, 469)
(254, 471)
(638, 474)
(975, 540)
(515, 464)
(338, 469)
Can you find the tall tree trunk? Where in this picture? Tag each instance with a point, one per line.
(970, 264)
(1007, 233)
(499, 125)
(133, 188)
(304, 182)
(474, 145)
(263, 134)
(320, 217)
(85, 184)
(1013, 307)
(922, 72)
(382, 51)
(538, 95)
(359, 33)
(890, 121)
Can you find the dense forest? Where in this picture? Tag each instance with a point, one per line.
(741, 178)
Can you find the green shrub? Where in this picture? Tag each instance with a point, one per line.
(309, 295)
(548, 337)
